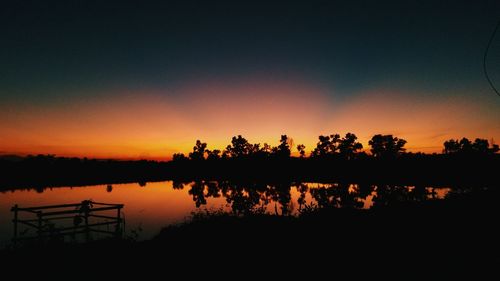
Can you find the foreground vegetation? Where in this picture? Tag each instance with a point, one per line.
(436, 235)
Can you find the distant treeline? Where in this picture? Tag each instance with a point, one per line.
(334, 158)
(41, 171)
(330, 146)
(342, 159)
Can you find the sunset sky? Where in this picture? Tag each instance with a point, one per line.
(141, 79)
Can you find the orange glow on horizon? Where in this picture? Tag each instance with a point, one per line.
(154, 124)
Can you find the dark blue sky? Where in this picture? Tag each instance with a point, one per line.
(51, 48)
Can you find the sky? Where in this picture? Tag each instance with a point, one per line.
(142, 79)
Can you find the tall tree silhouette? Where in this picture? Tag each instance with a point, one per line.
(283, 149)
(465, 145)
(386, 146)
(239, 147)
(326, 145)
(198, 151)
(348, 146)
(481, 146)
(302, 150)
(451, 146)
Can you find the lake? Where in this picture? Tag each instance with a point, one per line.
(148, 207)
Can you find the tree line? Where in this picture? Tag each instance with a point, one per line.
(334, 157)
(329, 146)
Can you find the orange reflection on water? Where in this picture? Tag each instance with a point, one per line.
(152, 206)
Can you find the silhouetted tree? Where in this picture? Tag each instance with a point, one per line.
(302, 150)
(261, 152)
(179, 157)
(483, 146)
(239, 147)
(495, 148)
(348, 146)
(266, 148)
(225, 154)
(465, 146)
(322, 147)
(213, 154)
(283, 149)
(386, 146)
(255, 148)
(198, 151)
(451, 146)
(326, 145)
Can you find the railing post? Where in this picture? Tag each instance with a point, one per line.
(14, 209)
(118, 222)
(39, 227)
(87, 229)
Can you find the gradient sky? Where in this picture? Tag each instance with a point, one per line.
(141, 79)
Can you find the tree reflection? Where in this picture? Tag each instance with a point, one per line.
(419, 193)
(197, 191)
(390, 194)
(302, 190)
(242, 199)
(339, 195)
(178, 185)
(281, 198)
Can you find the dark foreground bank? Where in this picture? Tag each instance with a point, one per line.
(458, 233)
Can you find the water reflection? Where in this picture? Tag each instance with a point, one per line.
(276, 198)
(153, 205)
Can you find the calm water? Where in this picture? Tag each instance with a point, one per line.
(151, 206)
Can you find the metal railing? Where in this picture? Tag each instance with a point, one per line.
(72, 219)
